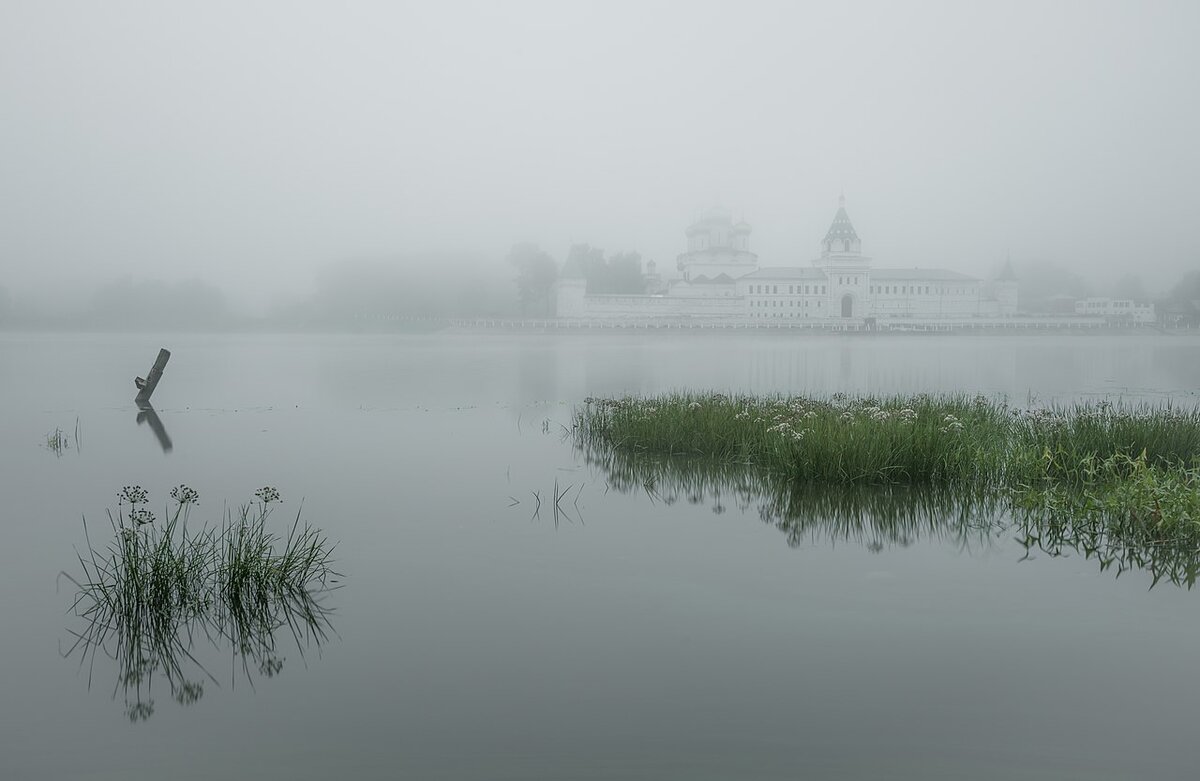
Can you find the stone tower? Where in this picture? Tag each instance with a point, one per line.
(847, 269)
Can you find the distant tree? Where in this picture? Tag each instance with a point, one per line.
(584, 260)
(621, 273)
(1182, 305)
(536, 273)
(1188, 288)
(1038, 284)
(125, 303)
(1129, 286)
(625, 273)
(401, 288)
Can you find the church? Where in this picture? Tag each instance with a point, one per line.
(722, 279)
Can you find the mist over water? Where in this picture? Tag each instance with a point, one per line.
(395, 248)
(249, 148)
(630, 631)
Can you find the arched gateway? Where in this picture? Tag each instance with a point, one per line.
(847, 305)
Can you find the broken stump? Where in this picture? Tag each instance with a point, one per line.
(146, 386)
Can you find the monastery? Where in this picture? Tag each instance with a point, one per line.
(722, 279)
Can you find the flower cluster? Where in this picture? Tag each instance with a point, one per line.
(267, 494)
(950, 423)
(141, 516)
(182, 494)
(133, 495)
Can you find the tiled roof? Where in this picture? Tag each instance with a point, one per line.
(841, 227)
(786, 272)
(931, 274)
(720, 279)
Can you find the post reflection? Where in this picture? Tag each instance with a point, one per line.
(147, 414)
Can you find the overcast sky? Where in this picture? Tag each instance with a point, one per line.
(248, 143)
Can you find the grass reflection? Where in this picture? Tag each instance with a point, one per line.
(876, 517)
(157, 597)
(1122, 511)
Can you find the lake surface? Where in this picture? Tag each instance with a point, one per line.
(479, 635)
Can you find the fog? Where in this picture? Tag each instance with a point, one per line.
(250, 146)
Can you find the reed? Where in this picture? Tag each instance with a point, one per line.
(59, 441)
(844, 440)
(938, 440)
(1072, 443)
(1124, 511)
(156, 585)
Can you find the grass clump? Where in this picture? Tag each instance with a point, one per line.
(59, 441)
(843, 440)
(1120, 482)
(1085, 442)
(1124, 511)
(967, 442)
(157, 586)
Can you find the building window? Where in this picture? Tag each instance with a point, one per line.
(774, 288)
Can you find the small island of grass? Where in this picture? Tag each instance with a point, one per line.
(1095, 476)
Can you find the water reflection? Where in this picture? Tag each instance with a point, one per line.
(875, 517)
(172, 644)
(161, 596)
(1175, 561)
(882, 517)
(147, 414)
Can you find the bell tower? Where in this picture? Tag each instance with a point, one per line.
(846, 268)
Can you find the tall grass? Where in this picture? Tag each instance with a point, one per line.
(1070, 443)
(1128, 473)
(844, 440)
(1124, 511)
(158, 585)
(969, 442)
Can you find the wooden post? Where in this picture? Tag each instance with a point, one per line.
(146, 387)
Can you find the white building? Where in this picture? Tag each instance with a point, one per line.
(721, 278)
(1116, 309)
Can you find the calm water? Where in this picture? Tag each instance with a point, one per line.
(634, 637)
